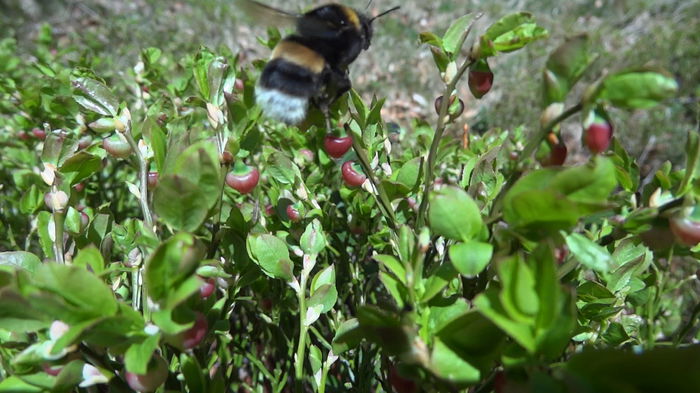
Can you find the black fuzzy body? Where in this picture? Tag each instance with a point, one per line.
(312, 64)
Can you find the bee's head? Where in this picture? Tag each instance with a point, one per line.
(366, 25)
(366, 30)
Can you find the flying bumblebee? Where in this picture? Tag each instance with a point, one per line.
(310, 65)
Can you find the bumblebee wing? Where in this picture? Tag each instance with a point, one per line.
(271, 16)
(313, 26)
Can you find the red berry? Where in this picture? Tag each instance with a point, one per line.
(597, 137)
(499, 382)
(557, 155)
(84, 142)
(453, 113)
(226, 158)
(39, 133)
(239, 85)
(351, 176)
(560, 254)
(155, 376)
(79, 187)
(480, 82)
(84, 220)
(266, 304)
(293, 213)
(269, 210)
(152, 180)
(51, 370)
(207, 288)
(243, 183)
(399, 383)
(116, 147)
(22, 135)
(194, 335)
(307, 154)
(686, 230)
(336, 147)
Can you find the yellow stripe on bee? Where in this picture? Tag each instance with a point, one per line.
(300, 55)
(352, 17)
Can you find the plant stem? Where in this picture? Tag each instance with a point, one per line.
(301, 348)
(382, 198)
(58, 220)
(143, 179)
(439, 131)
(215, 239)
(528, 151)
(547, 128)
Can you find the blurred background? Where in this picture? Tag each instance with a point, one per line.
(626, 33)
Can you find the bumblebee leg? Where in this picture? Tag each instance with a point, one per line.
(341, 81)
(326, 115)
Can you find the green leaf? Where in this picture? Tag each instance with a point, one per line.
(324, 297)
(216, 73)
(83, 164)
(189, 187)
(169, 271)
(90, 256)
(95, 96)
(409, 173)
(565, 66)
(73, 221)
(272, 255)
(454, 214)
(139, 354)
(71, 374)
(392, 265)
(178, 202)
(17, 314)
(471, 334)
(518, 297)
(13, 384)
(438, 280)
(360, 108)
(155, 137)
(11, 260)
(324, 277)
(397, 289)
(591, 291)
(384, 329)
(31, 200)
(628, 259)
(57, 148)
(638, 89)
(657, 370)
(80, 288)
(456, 33)
(589, 253)
(615, 335)
(427, 37)
(471, 257)
(445, 363)
(490, 306)
(44, 219)
(200, 70)
(193, 373)
(282, 169)
(347, 336)
(548, 200)
(510, 33)
(313, 240)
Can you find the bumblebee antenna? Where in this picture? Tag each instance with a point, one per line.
(385, 12)
(369, 3)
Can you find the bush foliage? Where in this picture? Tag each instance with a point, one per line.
(461, 262)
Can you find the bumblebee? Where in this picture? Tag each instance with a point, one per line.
(311, 65)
